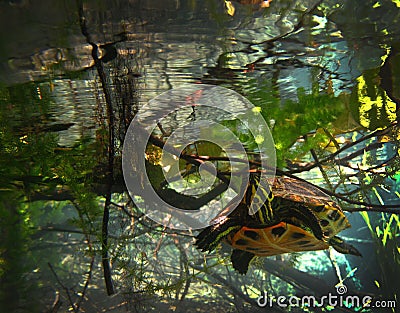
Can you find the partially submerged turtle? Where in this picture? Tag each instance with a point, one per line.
(295, 216)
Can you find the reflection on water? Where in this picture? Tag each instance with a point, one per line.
(289, 59)
(176, 41)
(75, 100)
(185, 41)
(172, 43)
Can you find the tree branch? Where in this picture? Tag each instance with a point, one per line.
(111, 140)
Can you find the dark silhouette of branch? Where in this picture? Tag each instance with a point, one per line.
(364, 206)
(373, 169)
(63, 287)
(65, 194)
(110, 149)
(389, 208)
(321, 168)
(373, 146)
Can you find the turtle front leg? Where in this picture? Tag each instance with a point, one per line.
(241, 259)
(209, 238)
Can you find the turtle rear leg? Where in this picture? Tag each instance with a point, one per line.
(209, 238)
(341, 246)
(241, 259)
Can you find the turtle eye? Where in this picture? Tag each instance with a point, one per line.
(270, 195)
(334, 215)
(327, 233)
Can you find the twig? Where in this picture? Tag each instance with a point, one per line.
(372, 169)
(373, 146)
(321, 169)
(64, 287)
(104, 249)
(56, 304)
(89, 276)
(184, 268)
(86, 286)
(233, 289)
(389, 208)
(332, 156)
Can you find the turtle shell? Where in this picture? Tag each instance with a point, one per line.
(278, 239)
(289, 191)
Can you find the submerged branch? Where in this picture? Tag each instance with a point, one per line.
(192, 159)
(332, 156)
(111, 151)
(363, 206)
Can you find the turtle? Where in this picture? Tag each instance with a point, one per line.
(293, 216)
